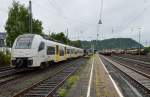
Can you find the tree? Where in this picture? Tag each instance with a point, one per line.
(76, 43)
(60, 37)
(18, 23)
(37, 27)
(146, 50)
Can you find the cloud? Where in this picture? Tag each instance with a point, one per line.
(83, 15)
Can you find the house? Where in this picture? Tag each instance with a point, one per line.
(3, 47)
(2, 39)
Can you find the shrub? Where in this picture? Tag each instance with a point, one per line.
(4, 59)
(70, 81)
(146, 50)
(62, 92)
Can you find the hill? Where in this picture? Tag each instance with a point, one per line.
(113, 43)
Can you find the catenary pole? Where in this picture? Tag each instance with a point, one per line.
(30, 16)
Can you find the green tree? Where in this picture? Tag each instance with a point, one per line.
(60, 37)
(147, 50)
(18, 23)
(77, 43)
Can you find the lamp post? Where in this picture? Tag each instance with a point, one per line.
(30, 16)
(99, 23)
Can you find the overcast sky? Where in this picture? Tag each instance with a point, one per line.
(120, 18)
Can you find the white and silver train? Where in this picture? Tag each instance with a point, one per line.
(31, 50)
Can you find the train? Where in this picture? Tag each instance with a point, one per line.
(126, 51)
(32, 50)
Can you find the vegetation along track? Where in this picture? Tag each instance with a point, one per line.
(137, 66)
(138, 80)
(48, 86)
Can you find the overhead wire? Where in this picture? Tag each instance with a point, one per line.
(65, 17)
(127, 25)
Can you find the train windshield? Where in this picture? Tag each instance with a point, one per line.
(24, 42)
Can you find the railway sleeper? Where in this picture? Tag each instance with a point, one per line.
(44, 87)
(35, 95)
(48, 84)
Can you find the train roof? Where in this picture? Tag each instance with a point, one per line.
(53, 42)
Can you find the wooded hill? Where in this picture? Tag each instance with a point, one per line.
(113, 43)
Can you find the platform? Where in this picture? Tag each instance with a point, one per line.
(94, 81)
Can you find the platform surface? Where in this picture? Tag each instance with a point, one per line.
(95, 84)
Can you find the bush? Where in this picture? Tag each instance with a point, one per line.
(62, 92)
(146, 50)
(4, 59)
(70, 81)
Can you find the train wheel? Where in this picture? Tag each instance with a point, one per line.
(43, 65)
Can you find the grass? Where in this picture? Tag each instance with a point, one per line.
(62, 92)
(70, 82)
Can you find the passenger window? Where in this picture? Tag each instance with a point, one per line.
(50, 50)
(41, 47)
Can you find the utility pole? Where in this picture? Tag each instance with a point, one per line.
(67, 36)
(97, 40)
(139, 41)
(30, 16)
(113, 32)
(146, 43)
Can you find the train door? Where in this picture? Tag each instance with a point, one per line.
(57, 55)
(41, 53)
(66, 55)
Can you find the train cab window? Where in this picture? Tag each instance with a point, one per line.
(24, 42)
(50, 50)
(41, 47)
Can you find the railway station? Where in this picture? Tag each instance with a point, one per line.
(74, 48)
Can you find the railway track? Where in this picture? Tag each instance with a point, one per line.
(47, 87)
(144, 58)
(138, 80)
(9, 74)
(143, 68)
(5, 68)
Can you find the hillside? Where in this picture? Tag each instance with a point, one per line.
(113, 43)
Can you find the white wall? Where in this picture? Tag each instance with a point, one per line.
(4, 49)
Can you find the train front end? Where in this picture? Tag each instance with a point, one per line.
(24, 51)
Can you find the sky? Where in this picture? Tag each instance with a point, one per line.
(120, 18)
